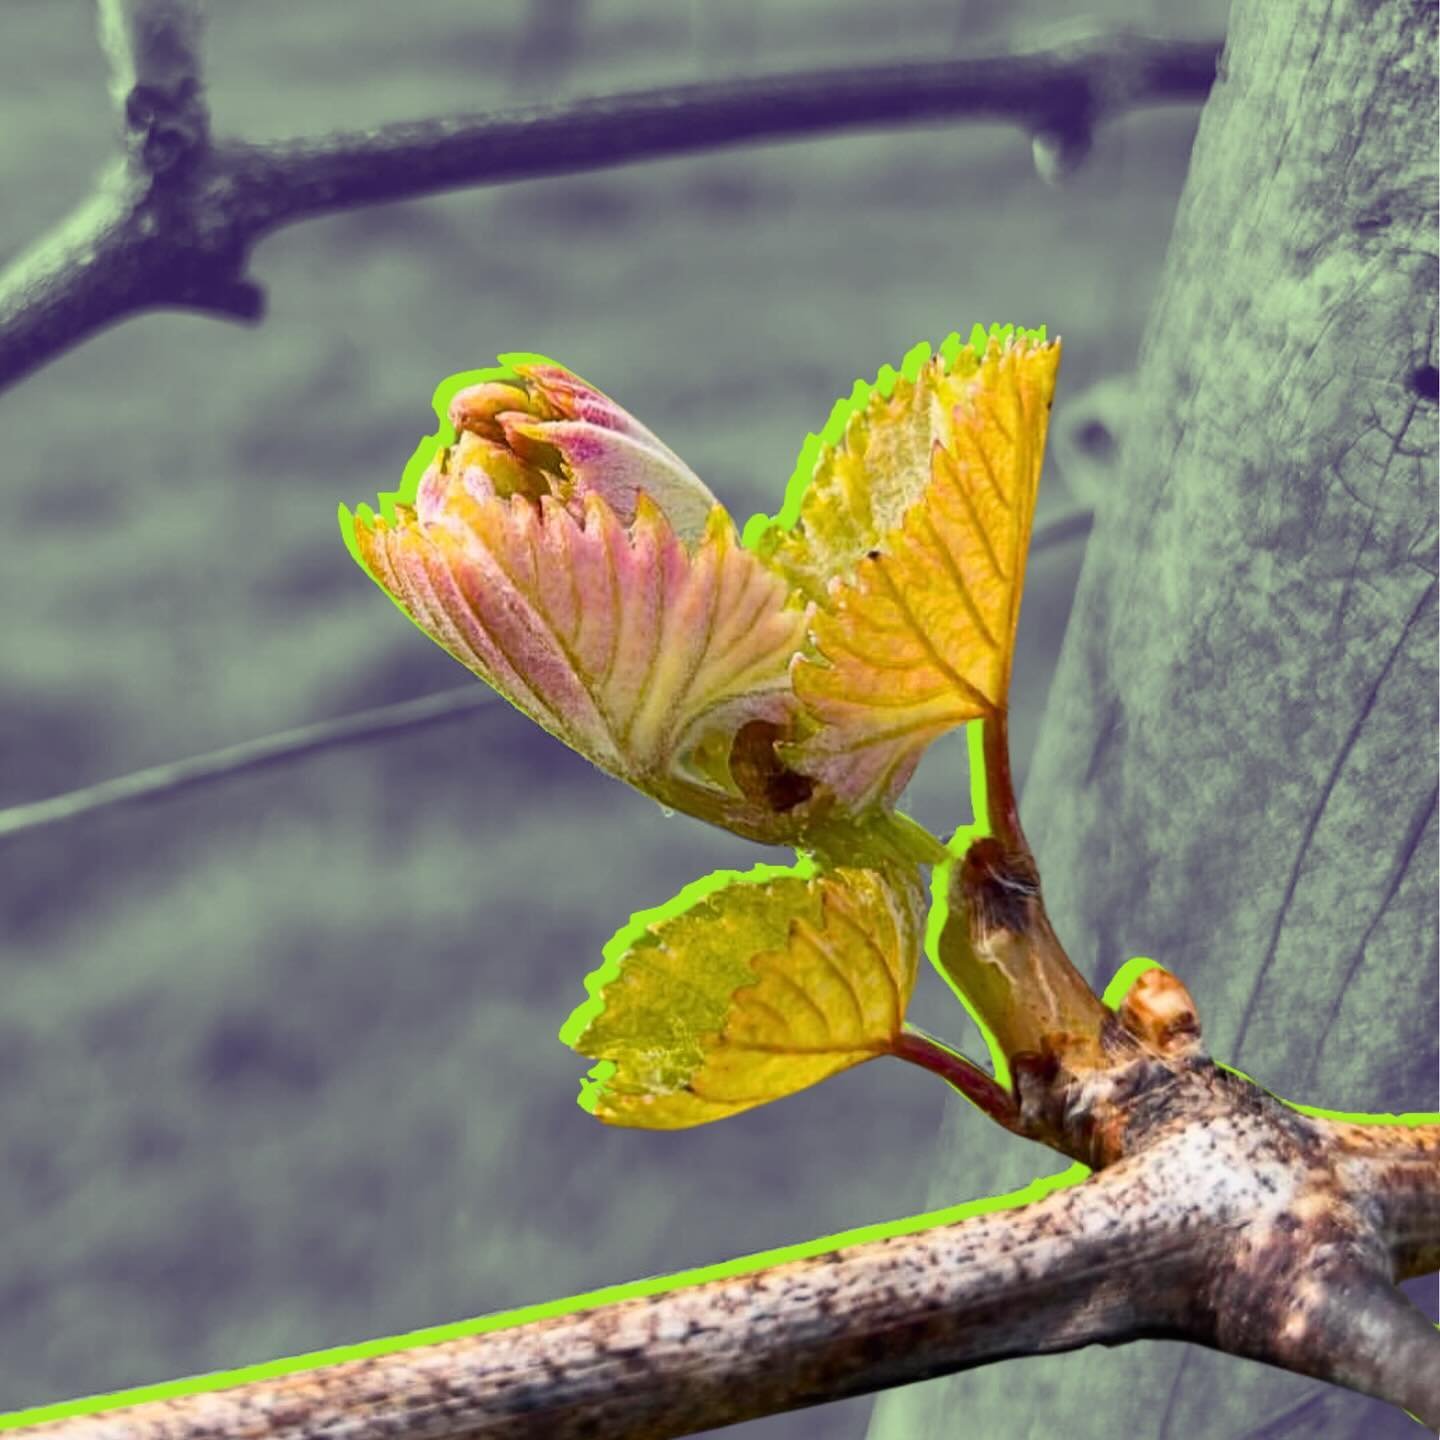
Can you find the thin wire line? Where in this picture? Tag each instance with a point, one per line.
(249, 755)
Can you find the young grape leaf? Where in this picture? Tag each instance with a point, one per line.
(602, 447)
(758, 990)
(647, 655)
(916, 635)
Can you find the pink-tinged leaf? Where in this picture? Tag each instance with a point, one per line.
(602, 449)
(647, 657)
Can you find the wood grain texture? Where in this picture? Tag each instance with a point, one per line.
(1237, 770)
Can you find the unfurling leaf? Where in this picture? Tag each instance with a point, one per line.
(537, 552)
(756, 991)
(783, 689)
(920, 518)
(602, 448)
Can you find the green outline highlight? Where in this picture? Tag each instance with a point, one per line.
(1133, 969)
(755, 527)
(804, 867)
(424, 451)
(635, 929)
(957, 845)
(507, 1319)
(833, 430)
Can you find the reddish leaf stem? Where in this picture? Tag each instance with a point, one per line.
(1003, 812)
(923, 1049)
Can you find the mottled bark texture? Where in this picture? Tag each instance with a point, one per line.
(1217, 1215)
(1237, 772)
(871, 1314)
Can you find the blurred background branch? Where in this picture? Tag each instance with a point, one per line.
(172, 224)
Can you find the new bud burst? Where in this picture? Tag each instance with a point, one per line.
(570, 559)
(553, 433)
(784, 689)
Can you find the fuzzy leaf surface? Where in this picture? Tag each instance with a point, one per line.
(758, 991)
(929, 502)
(645, 656)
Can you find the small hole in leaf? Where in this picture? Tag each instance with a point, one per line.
(1425, 382)
(759, 771)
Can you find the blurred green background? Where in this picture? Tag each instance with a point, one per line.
(278, 1058)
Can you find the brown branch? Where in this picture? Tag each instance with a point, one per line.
(1366, 1335)
(1398, 1167)
(173, 225)
(246, 757)
(1268, 1265)
(1049, 1276)
(1339, 1319)
(1280, 1263)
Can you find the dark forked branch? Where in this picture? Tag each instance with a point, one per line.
(172, 224)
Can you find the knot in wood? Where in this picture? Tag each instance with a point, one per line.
(166, 127)
(1159, 1012)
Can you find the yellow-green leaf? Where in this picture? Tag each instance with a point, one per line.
(936, 485)
(755, 992)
